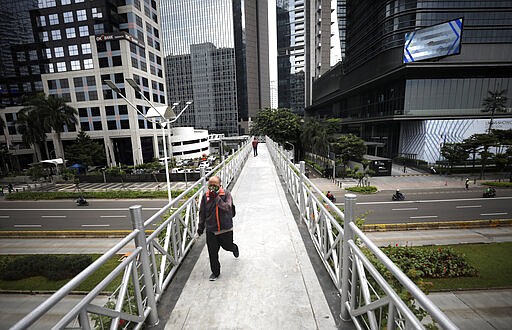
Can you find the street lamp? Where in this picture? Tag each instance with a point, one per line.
(167, 117)
(160, 112)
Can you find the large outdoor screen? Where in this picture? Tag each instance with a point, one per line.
(434, 41)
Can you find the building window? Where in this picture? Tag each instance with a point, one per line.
(65, 2)
(88, 64)
(64, 83)
(96, 13)
(90, 81)
(116, 61)
(86, 48)
(111, 124)
(59, 51)
(97, 125)
(68, 17)
(54, 19)
(93, 95)
(103, 62)
(42, 21)
(80, 96)
(99, 28)
(75, 65)
(73, 50)
(56, 35)
(44, 36)
(84, 125)
(78, 82)
(61, 66)
(50, 68)
(81, 15)
(70, 33)
(95, 112)
(48, 53)
(84, 31)
(125, 124)
(46, 3)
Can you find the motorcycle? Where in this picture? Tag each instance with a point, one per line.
(489, 193)
(82, 202)
(398, 197)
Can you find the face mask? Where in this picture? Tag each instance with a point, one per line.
(213, 188)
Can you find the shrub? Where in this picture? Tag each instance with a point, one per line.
(363, 190)
(498, 184)
(53, 267)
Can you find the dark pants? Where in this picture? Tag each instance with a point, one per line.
(214, 242)
(255, 149)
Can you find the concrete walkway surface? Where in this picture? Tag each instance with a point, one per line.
(272, 285)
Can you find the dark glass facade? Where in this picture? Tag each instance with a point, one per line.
(291, 59)
(213, 56)
(377, 96)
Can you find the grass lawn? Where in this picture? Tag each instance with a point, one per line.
(40, 283)
(494, 264)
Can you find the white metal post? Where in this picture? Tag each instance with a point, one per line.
(140, 241)
(166, 164)
(350, 203)
(302, 202)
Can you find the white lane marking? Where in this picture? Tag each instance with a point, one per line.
(466, 206)
(112, 216)
(95, 225)
(406, 209)
(503, 213)
(27, 226)
(433, 201)
(84, 209)
(424, 217)
(5, 216)
(54, 216)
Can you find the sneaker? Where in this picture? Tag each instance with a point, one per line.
(213, 277)
(236, 253)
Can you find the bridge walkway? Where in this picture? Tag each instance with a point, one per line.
(272, 284)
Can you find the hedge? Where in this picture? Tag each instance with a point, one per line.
(53, 267)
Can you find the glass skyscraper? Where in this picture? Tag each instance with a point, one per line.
(216, 54)
(410, 109)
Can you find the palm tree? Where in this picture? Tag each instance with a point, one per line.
(53, 113)
(32, 130)
(495, 101)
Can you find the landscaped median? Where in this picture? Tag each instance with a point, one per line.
(436, 225)
(113, 194)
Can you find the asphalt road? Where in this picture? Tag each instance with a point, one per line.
(427, 205)
(65, 215)
(421, 205)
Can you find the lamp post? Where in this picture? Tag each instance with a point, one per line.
(161, 111)
(167, 117)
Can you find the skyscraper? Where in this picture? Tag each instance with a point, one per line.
(76, 45)
(410, 107)
(216, 53)
(303, 46)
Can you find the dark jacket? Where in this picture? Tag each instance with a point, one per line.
(215, 212)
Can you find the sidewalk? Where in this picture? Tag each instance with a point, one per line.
(272, 285)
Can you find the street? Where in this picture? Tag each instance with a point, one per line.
(433, 205)
(66, 215)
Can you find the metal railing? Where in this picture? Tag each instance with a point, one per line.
(138, 282)
(367, 296)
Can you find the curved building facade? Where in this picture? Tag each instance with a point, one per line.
(404, 106)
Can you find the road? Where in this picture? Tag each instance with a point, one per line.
(65, 215)
(423, 205)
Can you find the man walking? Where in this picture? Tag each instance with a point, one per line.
(215, 215)
(255, 146)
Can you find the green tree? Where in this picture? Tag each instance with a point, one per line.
(56, 114)
(30, 125)
(349, 147)
(86, 151)
(279, 124)
(454, 153)
(495, 101)
(482, 143)
(314, 137)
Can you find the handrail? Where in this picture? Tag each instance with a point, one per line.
(366, 297)
(148, 267)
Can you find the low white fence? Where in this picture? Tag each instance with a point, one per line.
(146, 271)
(367, 297)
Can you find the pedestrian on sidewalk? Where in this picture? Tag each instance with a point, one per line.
(467, 183)
(255, 146)
(215, 215)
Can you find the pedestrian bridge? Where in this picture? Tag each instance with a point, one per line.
(272, 285)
